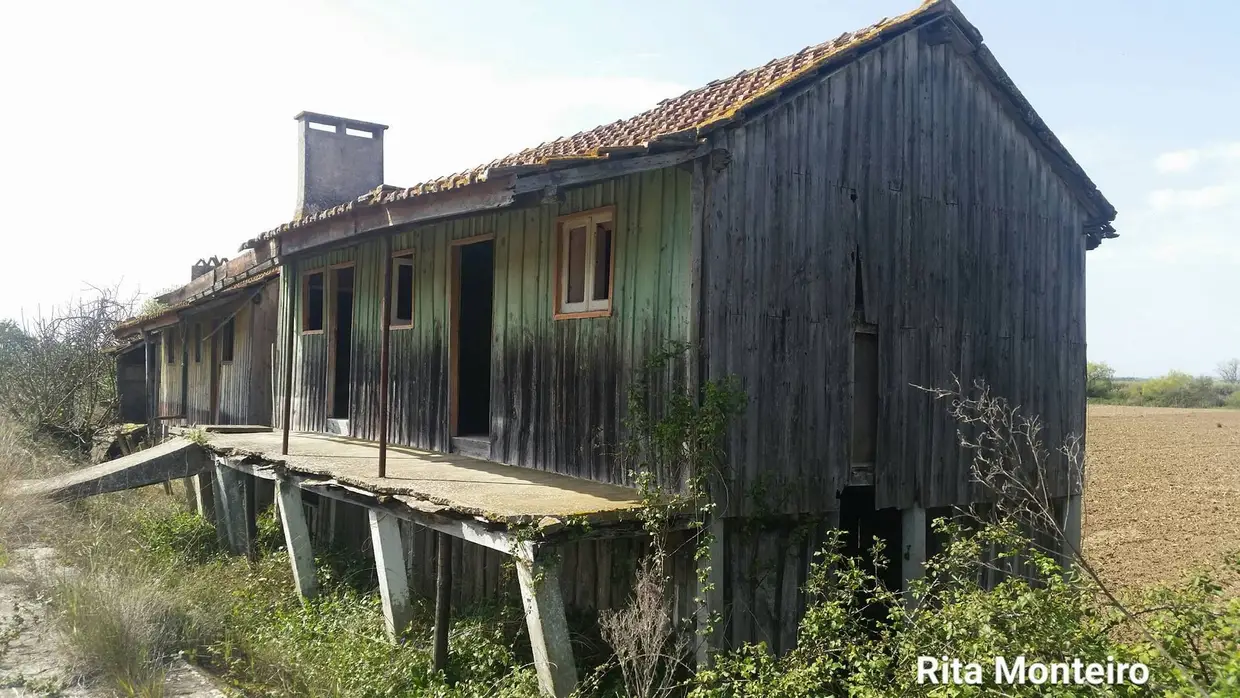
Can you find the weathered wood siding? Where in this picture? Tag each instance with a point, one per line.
(244, 384)
(557, 386)
(903, 165)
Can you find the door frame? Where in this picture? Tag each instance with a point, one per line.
(454, 325)
(330, 314)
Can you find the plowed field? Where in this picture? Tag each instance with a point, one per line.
(1162, 493)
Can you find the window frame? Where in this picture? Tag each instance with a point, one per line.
(228, 330)
(403, 258)
(305, 301)
(170, 340)
(590, 307)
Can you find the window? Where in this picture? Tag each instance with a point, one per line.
(227, 338)
(197, 342)
(170, 345)
(402, 289)
(312, 305)
(586, 260)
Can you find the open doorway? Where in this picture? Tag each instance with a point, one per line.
(475, 276)
(341, 340)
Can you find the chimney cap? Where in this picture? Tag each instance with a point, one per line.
(340, 121)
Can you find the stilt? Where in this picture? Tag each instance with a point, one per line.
(443, 600)
(234, 496)
(297, 538)
(187, 488)
(204, 495)
(390, 567)
(1072, 531)
(544, 616)
(913, 554)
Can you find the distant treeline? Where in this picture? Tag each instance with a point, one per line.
(1176, 389)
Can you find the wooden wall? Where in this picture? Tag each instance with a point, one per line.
(905, 167)
(557, 386)
(244, 392)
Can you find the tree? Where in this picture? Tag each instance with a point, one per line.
(1229, 371)
(1099, 380)
(56, 375)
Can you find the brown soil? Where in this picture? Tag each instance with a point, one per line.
(1162, 493)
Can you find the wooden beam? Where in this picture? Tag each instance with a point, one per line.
(443, 600)
(297, 537)
(390, 568)
(1071, 544)
(547, 624)
(607, 169)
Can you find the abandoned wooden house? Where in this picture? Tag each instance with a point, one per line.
(881, 211)
(204, 354)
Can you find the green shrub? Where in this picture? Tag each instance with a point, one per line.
(1178, 389)
(1099, 380)
(1233, 400)
(180, 536)
(858, 639)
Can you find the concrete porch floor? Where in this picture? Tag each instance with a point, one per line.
(492, 491)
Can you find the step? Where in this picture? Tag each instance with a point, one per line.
(472, 446)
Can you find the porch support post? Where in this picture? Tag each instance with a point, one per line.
(203, 494)
(443, 600)
(390, 567)
(385, 339)
(539, 578)
(234, 494)
(297, 537)
(1072, 530)
(913, 554)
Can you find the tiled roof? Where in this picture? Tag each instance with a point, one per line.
(677, 122)
(248, 279)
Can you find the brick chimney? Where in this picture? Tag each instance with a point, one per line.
(341, 159)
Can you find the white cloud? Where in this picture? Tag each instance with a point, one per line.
(1213, 196)
(150, 134)
(1180, 161)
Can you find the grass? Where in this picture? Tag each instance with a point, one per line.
(144, 582)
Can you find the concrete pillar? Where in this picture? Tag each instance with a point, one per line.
(234, 497)
(297, 538)
(203, 495)
(1072, 530)
(548, 626)
(390, 568)
(913, 547)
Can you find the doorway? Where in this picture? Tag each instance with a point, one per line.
(475, 280)
(341, 341)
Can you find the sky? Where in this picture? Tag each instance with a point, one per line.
(141, 136)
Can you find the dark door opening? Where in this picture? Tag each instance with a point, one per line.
(342, 340)
(476, 276)
(862, 523)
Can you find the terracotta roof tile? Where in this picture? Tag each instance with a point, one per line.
(679, 121)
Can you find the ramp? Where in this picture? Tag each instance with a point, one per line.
(172, 459)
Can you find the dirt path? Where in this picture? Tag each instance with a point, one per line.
(1162, 495)
(33, 659)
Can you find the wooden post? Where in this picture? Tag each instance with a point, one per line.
(149, 412)
(443, 600)
(233, 492)
(183, 331)
(297, 537)
(390, 567)
(913, 557)
(544, 616)
(385, 335)
(1072, 531)
(290, 330)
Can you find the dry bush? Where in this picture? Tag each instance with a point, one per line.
(648, 649)
(56, 377)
